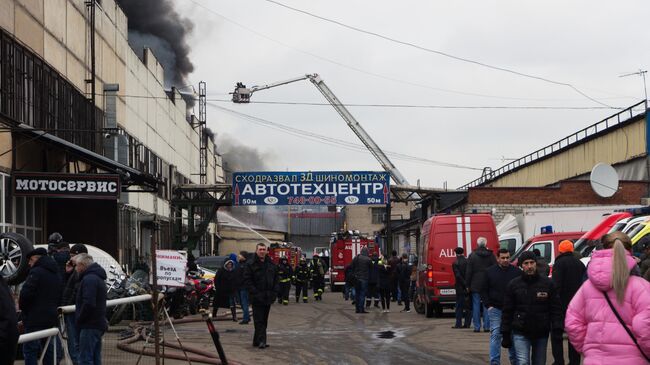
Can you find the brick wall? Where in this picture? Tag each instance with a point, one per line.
(567, 194)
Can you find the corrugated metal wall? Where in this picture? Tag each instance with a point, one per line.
(618, 146)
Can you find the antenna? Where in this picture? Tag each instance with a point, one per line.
(642, 74)
(604, 180)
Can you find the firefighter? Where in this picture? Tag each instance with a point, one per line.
(285, 274)
(301, 279)
(318, 277)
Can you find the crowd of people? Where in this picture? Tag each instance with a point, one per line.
(604, 308)
(63, 276)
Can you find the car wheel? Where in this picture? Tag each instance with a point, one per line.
(429, 310)
(13, 257)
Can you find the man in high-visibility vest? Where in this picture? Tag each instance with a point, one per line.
(301, 278)
(285, 272)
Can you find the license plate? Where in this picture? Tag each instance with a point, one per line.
(447, 291)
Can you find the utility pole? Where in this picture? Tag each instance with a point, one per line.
(642, 74)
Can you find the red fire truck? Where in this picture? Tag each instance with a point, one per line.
(344, 247)
(279, 250)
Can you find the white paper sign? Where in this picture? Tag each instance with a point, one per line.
(170, 268)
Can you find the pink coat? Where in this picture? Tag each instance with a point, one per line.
(593, 328)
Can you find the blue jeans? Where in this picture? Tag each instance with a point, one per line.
(243, 299)
(494, 314)
(523, 345)
(360, 290)
(476, 313)
(90, 347)
(32, 350)
(71, 334)
(348, 292)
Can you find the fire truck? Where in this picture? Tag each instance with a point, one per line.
(344, 247)
(285, 249)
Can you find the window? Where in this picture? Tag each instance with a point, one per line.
(545, 250)
(378, 215)
(28, 212)
(510, 244)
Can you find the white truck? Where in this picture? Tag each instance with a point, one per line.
(513, 231)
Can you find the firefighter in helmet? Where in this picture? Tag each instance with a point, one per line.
(318, 277)
(285, 272)
(301, 278)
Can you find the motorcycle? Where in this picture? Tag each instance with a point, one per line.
(199, 291)
(122, 287)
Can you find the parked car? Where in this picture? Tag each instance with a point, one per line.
(213, 263)
(548, 245)
(441, 234)
(585, 245)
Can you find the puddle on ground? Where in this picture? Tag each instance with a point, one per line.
(385, 335)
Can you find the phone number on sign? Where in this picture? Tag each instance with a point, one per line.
(302, 200)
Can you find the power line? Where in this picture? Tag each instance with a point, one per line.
(441, 53)
(334, 141)
(380, 105)
(360, 70)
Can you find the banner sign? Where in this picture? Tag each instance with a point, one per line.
(170, 268)
(95, 186)
(311, 188)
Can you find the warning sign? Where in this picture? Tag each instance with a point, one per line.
(170, 268)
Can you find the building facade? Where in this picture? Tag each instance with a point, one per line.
(137, 132)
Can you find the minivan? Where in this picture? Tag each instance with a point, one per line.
(440, 236)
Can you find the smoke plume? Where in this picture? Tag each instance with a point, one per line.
(155, 24)
(238, 157)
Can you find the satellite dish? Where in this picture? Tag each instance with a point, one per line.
(604, 180)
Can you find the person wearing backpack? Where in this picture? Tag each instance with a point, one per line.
(608, 320)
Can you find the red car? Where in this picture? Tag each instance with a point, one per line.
(547, 244)
(591, 239)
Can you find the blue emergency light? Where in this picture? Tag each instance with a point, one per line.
(547, 230)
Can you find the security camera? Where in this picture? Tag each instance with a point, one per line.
(107, 135)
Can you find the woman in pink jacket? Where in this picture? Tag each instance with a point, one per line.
(590, 322)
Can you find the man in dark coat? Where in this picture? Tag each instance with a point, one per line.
(361, 266)
(404, 281)
(497, 279)
(460, 268)
(373, 281)
(477, 265)
(393, 261)
(8, 325)
(531, 308)
(38, 301)
(91, 309)
(71, 287)
(261, 279)
(225, 288)
(567, 277)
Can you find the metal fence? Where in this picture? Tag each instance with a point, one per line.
(567, 142)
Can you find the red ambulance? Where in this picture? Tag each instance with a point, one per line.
(440, 235)
(344, 247)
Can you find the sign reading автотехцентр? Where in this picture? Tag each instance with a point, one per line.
(311, 188)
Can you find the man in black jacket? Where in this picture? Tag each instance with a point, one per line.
(361, 266)
(498, 278)
(8, 325)
(90, 309)
(477, 264)
(404, 281)
(71, 287)
(460, 267)
(261, 279)
(38, 301)
(531, 308)
(567, 277)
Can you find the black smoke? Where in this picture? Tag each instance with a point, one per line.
(155, 24)
(240, 158)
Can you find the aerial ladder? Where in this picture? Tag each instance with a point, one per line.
(242, 95)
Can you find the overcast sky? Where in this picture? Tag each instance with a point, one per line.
(587, 44)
